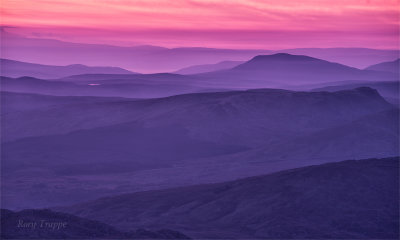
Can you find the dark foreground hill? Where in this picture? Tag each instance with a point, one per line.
(46, 224)
(351, 199)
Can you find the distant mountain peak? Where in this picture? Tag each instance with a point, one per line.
(283, 57)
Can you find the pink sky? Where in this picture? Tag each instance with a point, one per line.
(267, 24)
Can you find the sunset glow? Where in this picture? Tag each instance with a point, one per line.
(209, 23)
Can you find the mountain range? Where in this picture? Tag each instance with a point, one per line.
(265, 71)
(203, 143)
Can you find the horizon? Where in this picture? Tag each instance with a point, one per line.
(4, 30)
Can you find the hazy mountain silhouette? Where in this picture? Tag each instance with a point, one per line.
(11, 68)
(393, 66)
(349, 199)
(209, 67)
(46, 224)
(284, 70)
(165, 142)
(138, 58)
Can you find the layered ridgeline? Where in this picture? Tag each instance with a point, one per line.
(11, 68)
(159, 59)
(264, 71)
(270, 110)
(345, 200)
(82, 148)
(46, 224)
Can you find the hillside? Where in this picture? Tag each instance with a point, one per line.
(349, 199)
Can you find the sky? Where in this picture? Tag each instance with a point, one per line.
(245, 24)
